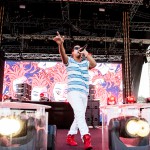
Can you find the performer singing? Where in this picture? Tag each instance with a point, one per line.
(78, 89)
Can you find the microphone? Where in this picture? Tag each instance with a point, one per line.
(84, 47)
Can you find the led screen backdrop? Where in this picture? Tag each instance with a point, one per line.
(50, 78)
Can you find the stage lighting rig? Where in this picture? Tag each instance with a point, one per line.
(136, 127)
(128, 132)
(111, 100)
(130, 99)
(10, 126)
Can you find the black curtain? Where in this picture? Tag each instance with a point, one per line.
(137, 62)
(2, 62)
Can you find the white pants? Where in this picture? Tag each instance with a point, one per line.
(78, 102)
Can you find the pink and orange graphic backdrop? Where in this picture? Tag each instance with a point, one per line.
(50, 78)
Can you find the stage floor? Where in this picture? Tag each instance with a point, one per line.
(95, 134)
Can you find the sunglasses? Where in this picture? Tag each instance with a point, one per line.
(76, 48)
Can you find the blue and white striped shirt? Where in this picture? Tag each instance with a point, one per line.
(78, 76)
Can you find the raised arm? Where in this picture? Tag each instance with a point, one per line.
(60, 41)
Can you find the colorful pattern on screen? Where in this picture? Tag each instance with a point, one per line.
(50, 78)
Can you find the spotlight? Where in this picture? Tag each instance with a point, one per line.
(22, 6)
(144, 128)
(111, 100)
(10, 126)
(102, 9)
(43, 97)
(6, 97)
(130, 99)
(132, 127)
(136, 127)
(128, 132)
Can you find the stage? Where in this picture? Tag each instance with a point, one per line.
(95, 134)
(59, 116)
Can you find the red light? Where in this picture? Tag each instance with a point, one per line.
(130, 99)
(111, 100)
(42, 95)
(5, 97)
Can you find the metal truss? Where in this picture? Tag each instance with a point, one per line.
(32, 56)
(56, 57)
(140, 26)
(66, 20)
(50, 23)
(135, 2)
(43, 51)
(101, 24)
(143, 15)
(76, 38)
(133, 11)
(118, 34)
(29, 49)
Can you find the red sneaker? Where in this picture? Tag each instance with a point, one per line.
(87, 142)
(70, 140)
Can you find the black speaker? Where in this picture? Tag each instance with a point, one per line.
(92, 113)
(88, 117)
(95, 117)
(23, 91)
(51, 140)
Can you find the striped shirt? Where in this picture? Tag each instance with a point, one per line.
(78, 76)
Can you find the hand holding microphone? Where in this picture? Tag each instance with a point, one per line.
(82, 50)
